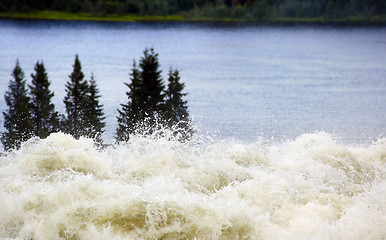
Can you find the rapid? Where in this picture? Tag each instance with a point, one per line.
(155, 187)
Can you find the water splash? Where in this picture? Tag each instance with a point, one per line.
(160, 188)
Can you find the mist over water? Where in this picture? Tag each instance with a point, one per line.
(310, 187)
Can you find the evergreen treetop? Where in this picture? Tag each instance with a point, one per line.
(177, 115)
(152, 84)
(174, 98)
(94, 112)
(132, 112)
(146, 104)
(17, 119)
(84, 112)
(149, 105)
(45, 118)
(76, 102)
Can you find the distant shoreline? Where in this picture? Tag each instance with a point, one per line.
(64, 16)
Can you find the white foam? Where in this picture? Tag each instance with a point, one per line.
(152, 188)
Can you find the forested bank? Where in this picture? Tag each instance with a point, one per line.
(152, 106)
(238, 10)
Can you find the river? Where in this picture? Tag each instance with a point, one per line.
(243, 82)
(290, 136)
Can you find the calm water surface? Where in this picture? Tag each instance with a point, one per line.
(243, 82)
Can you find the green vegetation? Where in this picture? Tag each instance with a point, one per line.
(76, 102)
(17, 119)
(55, 15)
(94, 112)
(151, 105)
(198, 10)
(84, 113)
(45, 118)
(177, 114)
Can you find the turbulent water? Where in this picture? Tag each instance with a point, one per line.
(310, 187)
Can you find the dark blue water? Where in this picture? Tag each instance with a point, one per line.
(243, 82)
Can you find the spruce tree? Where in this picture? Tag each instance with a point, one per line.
(145, 98)
(152, 84)
(132, 112)
(45, 118)
(177, 115)
(17, 119)
(76, 100)
(94, 112)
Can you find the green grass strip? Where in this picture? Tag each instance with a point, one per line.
(55, 15)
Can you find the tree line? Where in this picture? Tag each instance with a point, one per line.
(238, 9)
(151, 105)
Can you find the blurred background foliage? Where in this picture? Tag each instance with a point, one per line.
(220, 9)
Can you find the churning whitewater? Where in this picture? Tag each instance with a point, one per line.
(157, 188)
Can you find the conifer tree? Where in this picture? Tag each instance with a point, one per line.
(45, 118)
(132, 112)
(76, 100)
(94, 112)
(152, 84)
(145, 98)
(177, 114)
(177, 107)
(17, 119)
